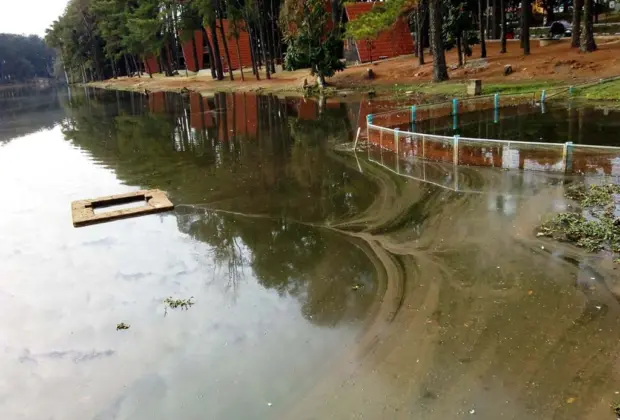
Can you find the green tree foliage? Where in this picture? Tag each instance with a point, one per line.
(458, 28)
(23, 58)
(309, 42)
(145, 28)
(368, 26)
(112, 26)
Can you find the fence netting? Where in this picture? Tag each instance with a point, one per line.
(395, 135)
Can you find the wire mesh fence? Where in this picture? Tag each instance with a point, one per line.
(531, 156)
(396, 131)
(402, 117)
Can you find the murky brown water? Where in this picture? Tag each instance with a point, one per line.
(327, 284)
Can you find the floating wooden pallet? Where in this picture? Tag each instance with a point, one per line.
(83, 211)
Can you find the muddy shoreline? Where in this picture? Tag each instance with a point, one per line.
(554, 67)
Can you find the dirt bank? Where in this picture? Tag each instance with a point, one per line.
(555, 64)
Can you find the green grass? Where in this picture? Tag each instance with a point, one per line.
(609, 91)
(604, 91)
(459, 89)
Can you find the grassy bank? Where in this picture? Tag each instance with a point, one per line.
(607, 91)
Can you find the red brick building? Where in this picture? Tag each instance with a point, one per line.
(188, 51)
(391, 43)
(244, 47)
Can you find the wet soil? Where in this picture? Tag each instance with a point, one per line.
(557, 62)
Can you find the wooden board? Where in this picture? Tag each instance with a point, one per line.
(83, 211)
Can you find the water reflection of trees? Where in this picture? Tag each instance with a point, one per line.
(293, 259)
(245, 153)
(266, 157)
(27, 110)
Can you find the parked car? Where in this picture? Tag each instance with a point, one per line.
(560, 28)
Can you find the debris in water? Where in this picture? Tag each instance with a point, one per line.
(472, 411)
(570, 400)
(269, 404)
(122, 326)
(184, 304)
(530, 292)
(152, 201)
(356, 287)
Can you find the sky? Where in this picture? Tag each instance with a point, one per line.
(29, 16)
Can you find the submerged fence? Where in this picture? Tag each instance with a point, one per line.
(395, 131)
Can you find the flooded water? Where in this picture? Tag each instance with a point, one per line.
(327, 285)
(552, 123)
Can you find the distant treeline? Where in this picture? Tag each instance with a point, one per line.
(23, 58)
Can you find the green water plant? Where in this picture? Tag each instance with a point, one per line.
(592, 225)
(183, 304)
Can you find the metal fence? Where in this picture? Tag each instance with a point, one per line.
(385, 131)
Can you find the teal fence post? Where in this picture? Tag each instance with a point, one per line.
(455, 150)
(455, 113)
(496, 101)
(369, 119)
(568, 157)
(543, 96)
(396, 130)
(413, 118)
(570, 91)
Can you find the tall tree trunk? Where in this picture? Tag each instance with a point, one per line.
(549, 13)
(503, 31)
(136, 65)
(483, 44)
(459, 50)
(239, 59)
(127, 68)
(224, 41)
(253, 53)
(175, 33)
(587, 40)
(440, 70)
(274, 36)
(497, 12)
(416, 31)
(595, 11)
(195, 54)
(217, 59)
(147, 66)
(421, 20)
(576, 36)
(525, 26)
(164, 54)
(210, 52)
(271, 38)
(263, 44)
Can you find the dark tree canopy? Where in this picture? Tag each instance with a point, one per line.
(24, 58)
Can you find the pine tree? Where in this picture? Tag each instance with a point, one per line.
(587, 39)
